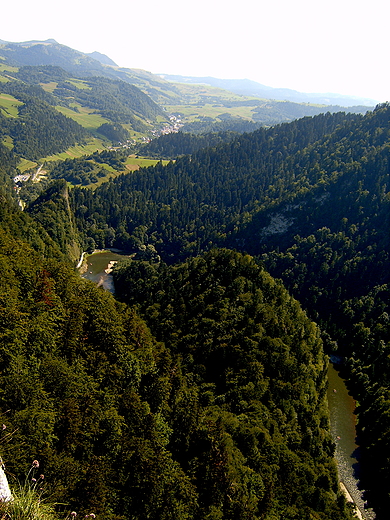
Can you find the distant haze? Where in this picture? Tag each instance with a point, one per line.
(251, 88)
(336, 47)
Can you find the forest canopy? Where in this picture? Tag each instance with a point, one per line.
(136, 422)
(199, 390)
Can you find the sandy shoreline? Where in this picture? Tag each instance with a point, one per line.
(350, 499)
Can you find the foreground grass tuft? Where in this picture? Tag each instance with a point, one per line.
(27, 502)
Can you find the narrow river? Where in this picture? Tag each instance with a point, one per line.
(343, 429)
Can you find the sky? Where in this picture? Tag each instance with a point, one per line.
(337, 46)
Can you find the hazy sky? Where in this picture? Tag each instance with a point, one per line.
(339, 46)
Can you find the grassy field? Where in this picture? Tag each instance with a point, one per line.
(205, 101)
(49, 87)
(86, 117)
(78, 151)
(8, 142)
(6, 72)
(90, 120)
(80, 83)
(192, 112)
(7, 68)
(134, 162)
(9, 105)
(25, 165)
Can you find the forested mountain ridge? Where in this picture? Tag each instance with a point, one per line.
(318, 185)
(172, 145)
(133, 427)
(52, 210)
(47, 52)
(311, 198)
(94, 91)
(19, 225)
(212, 312)
(223, 186)
(202, 394)
(38, 130)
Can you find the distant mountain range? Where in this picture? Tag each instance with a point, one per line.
(50, 52)
(105, 60)
(247, 87)
(196, 105)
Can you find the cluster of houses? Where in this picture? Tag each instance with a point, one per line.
(172, 128)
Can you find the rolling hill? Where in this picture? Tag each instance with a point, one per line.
(214, 100)
(44, 101)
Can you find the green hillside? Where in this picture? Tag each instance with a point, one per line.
(193, 103)
(199, 390)
(203, 199)
(128, 426)
(45, 111)
(310, 198)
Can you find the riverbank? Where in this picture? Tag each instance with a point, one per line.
(97, 267)
(110, 266)
(350, 499)
(82, 265)
(342, 415)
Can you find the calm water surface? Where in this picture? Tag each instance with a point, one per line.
(343, 429)
(96, 265)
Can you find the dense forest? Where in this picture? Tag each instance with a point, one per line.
(210, 197)
(133, 423)
(311, 200)
(199, 390)
(173, 145)
(39, 130)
